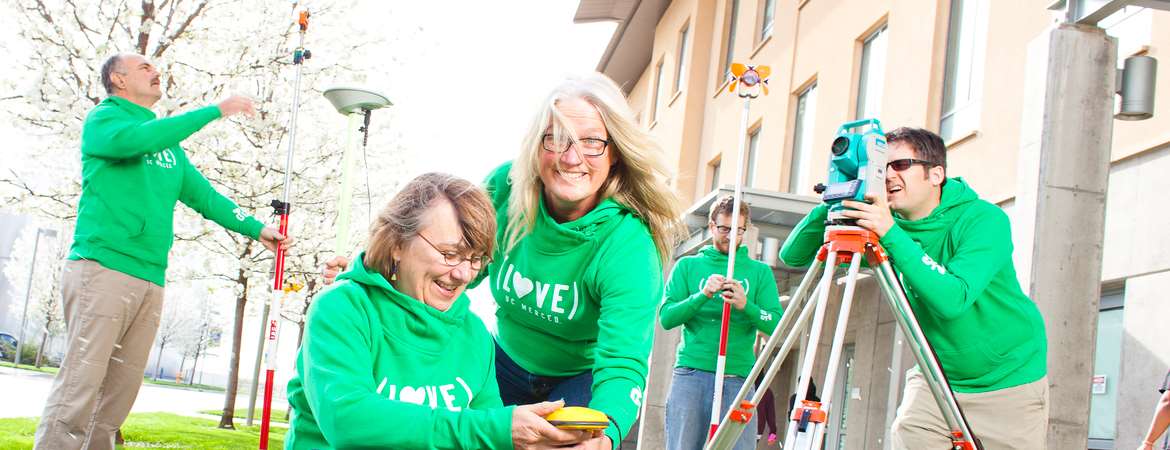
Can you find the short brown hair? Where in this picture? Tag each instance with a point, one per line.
(400, 220)
(724, 206)
(927, 145)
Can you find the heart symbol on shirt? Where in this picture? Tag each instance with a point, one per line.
(413, 395)
(522, 285)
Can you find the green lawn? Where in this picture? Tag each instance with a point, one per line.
(157, 430)
(278, 414)
(201, 387)
(43, 369)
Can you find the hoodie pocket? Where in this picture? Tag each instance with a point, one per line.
(118, 224)
(969, 363)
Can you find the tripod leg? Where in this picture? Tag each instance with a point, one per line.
(838, 345)
(932, 372)
(814, 339)
(790, 326)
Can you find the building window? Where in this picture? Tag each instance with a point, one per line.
(680, 73)
(715, 166)
(729, 50)
(769, 18)
(802, 138)
(872, 77)
(749, 177)
(657, 93)
(1106, 370)
(963, 76)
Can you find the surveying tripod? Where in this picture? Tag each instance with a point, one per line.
(806, 429)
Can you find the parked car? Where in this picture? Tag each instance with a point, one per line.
(7, 347)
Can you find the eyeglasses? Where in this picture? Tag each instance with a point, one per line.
(724, 230)
(900, 165)
(452, 259)
(590, 147)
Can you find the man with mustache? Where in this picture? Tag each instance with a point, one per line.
(954, 253)
(133, 171)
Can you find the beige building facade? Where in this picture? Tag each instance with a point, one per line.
(956, 67)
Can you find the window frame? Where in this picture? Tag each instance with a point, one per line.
(767, 25)
(802, 129)
(680, 76)
(964, 68)
(752, 156)
(656, 96)
(866, 81)
(729, 36)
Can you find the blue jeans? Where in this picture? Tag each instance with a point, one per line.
(688, 409)
(521, 387)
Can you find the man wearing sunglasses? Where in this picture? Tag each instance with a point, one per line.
(954, 253)
(693, 294)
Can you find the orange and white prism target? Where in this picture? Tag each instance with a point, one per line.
(748, 81)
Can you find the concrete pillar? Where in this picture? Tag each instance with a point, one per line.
(1058, 226)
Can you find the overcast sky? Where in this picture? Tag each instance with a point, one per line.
(468, 98)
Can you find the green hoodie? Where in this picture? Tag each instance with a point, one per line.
(132, 173)
(379, 369)
(580, 296)
(701, 318)
(956, 266)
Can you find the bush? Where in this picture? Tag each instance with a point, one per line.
(28, 355)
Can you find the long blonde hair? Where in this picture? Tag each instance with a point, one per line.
(639, 178)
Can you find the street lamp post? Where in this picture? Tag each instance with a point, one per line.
(28, 288)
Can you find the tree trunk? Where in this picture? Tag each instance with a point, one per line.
(182, 363)
(41, 348)
(195, 364)
(158, 361)
(229, 402)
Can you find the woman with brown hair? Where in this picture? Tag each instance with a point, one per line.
(392, 356)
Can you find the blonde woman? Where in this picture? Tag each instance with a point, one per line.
(586, 218)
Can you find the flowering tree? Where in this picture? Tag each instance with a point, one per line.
(206, 50)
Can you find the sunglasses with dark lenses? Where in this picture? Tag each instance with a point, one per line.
(903, 164)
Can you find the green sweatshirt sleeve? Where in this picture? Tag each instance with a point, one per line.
(197, 193)
(679, 305)
(948, 292)
(342, 394)
(765, 310)
(113, 133)
(802, 244)
(629, 289)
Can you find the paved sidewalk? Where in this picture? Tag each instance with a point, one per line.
(23, 394)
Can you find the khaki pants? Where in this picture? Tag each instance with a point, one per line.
(111, 320)
(1011, 418)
